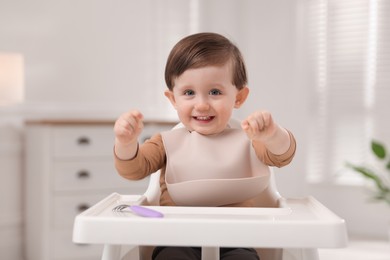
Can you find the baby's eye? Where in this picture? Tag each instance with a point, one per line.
(189, 92)
(215, 92)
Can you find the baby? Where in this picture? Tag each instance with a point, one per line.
(206, 78)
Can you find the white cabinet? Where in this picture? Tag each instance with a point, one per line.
(69, 167)
(11, 219)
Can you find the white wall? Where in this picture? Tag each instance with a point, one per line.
(86, 54)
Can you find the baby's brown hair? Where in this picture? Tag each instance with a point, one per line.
(201, 50)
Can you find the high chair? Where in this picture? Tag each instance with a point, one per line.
(279, 228)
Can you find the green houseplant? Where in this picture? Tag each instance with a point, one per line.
(380, 177)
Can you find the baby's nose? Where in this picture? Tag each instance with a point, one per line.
(202, 105)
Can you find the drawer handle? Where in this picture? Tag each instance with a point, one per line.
(83, 175)
(83, 140)
(82, 207)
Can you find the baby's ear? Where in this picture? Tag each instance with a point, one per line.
(171, 97)
(241, 96)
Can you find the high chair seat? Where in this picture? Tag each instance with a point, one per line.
(279, 228)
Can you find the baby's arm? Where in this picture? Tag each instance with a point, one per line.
(261, 127)
(127, 129)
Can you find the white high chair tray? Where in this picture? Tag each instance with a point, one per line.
(298, 223)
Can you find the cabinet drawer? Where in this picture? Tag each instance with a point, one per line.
(76, 141)
(67, 207)
(88, 175)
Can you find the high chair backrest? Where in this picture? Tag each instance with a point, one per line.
(269, 197)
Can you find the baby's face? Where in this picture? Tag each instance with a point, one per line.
(204, 98)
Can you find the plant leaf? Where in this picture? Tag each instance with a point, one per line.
(370, 175)
(388, 166)
(378, 149)
(382, 196)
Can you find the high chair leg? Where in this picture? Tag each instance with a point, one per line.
(310, 254)
(111, 252)
(300, 254)
(210, 253)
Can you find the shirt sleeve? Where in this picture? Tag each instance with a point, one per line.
(271, 159)
(150, 158)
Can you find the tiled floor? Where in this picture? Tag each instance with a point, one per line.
(359, 249)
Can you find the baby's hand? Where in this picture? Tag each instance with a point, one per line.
(259, 126)
(128, 127)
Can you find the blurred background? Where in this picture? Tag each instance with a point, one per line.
(320, 66)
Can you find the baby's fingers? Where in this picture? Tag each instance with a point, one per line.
(128, 126)
(256, 122)
(259, 125)
(267, 119)
(135, 120)
(245, 125)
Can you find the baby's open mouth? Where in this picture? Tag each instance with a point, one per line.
(204, 118)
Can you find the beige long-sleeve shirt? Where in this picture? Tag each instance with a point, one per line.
(151, 157)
